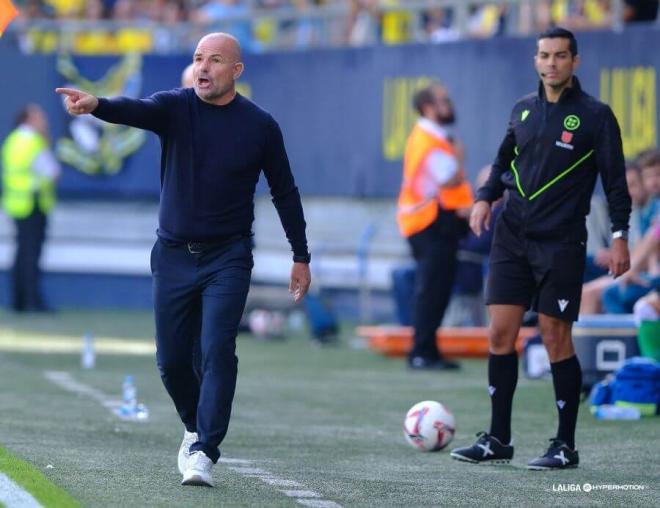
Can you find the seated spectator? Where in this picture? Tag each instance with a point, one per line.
(649, 168)
(574, 14)
(598, 239)
(644, 274)
(219, 14)
(486, 20)
(396, 25)
(592, 290)
(642, 278)
(597, 13)
(363, 23)
(66, 9)
(640, 10)
(467, 307)
(172, 12)
(33, 9)
(438, 26)
(647, 308)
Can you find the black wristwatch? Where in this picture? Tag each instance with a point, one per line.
(302, 259)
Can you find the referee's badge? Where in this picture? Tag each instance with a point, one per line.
(566, 138)
(571, 122)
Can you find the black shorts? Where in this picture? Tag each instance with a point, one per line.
(544, 274)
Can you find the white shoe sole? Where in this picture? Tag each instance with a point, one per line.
(544, 468)
(494, 462)
(197, 480)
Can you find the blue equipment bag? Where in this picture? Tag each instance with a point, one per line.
(636, 383)
(322, 321)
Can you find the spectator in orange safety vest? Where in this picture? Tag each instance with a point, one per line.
(433, 192)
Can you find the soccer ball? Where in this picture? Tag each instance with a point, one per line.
(429, 426)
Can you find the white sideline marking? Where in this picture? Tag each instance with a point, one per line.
(236, 461)
(243, 467)
(303, 497)
(13, 496)
(65, 381)
(318, 503)
(300, 493)
(276, 482)
(250, 471)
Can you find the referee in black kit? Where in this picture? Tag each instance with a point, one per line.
(215, 143)
(558, 141)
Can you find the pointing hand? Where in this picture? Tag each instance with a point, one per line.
(78, 102)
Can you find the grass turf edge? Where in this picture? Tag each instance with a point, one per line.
(33, 481)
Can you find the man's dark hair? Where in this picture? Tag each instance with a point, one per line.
(22, 115)
(648, 158)
(557, 32)
(422, 98)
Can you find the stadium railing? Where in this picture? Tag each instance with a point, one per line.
(283, 28)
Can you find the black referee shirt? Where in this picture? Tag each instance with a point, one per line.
(549, 161)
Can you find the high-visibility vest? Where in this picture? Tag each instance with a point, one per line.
(416, 212)
(20, 184)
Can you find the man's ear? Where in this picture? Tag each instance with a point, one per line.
(576, 62)
(238, 70)
(427, 110)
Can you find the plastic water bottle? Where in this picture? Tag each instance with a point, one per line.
(141, 412)
(88, 354)
(610, 412)
(128, 398)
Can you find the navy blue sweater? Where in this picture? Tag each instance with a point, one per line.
(210, 164)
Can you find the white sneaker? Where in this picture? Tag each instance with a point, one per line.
(184, 450)
(198, 471)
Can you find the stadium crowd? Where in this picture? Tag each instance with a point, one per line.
(161, 26)
(637, 290)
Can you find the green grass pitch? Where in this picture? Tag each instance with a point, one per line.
(329, 419)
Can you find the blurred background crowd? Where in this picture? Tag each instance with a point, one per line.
(165, 26)
(346, 114)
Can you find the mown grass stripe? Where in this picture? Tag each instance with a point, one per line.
(34, 482)
(14, 342)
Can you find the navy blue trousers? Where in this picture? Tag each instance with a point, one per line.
(200, 295)
(30, 236)
(434, 250)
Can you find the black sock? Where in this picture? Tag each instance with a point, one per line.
(567, 379)
(502, 380)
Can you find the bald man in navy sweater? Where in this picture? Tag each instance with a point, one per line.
(215, 143)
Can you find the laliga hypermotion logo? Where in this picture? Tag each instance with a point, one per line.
(7, 13)
(96, 147)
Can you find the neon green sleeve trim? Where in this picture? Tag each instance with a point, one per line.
(517, 177)
(560, 175)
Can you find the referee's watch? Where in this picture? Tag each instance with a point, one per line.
(302, 259)
(622, 233)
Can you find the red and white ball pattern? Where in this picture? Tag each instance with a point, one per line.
(429, 426)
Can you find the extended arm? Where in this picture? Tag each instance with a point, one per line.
(493, 189)
(148, 114)
(612, 169)
(286, 199)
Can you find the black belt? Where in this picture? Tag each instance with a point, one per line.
(197, 247)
